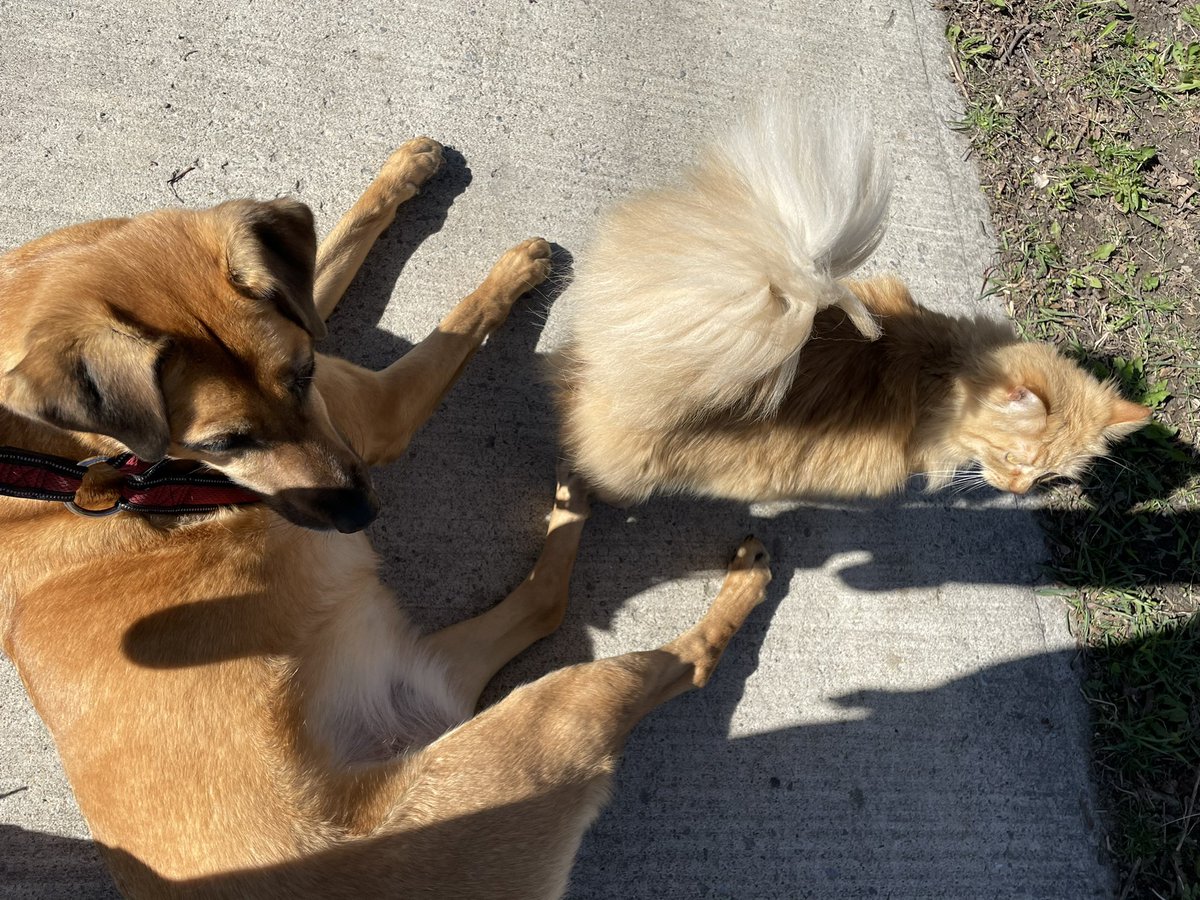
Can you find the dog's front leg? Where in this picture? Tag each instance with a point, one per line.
(343, 251)
(380, 411)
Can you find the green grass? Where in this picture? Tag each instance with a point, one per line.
(970, 48)
(987, 123)
(1120, 175)
(1083, 115)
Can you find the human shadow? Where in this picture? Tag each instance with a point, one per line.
(1126, 527)
(35, 865)
(969, 789)
(1146, 742)
(972, 789)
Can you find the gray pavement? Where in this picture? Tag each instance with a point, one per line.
(901, 718)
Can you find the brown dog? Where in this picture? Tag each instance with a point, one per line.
(239, 705)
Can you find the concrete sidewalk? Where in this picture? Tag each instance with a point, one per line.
(900, 719)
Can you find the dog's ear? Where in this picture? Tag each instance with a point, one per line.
(105, 382)
(272, 254)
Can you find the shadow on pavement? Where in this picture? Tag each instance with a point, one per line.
(887, 804)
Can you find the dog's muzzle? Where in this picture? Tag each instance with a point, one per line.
(346, 510)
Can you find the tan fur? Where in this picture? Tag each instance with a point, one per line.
(933, 394)
(239, 704)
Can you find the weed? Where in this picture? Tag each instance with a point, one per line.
(1119, 175)
(971, 49)
(987, 123)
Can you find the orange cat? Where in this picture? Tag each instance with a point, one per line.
(717, 348)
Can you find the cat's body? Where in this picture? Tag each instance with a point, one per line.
(717, 347)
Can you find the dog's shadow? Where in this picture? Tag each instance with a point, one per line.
(354, 327)
(464, 510)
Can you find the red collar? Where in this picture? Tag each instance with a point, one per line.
(167, 487)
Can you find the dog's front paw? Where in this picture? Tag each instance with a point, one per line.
(524, 266)
(414, 162)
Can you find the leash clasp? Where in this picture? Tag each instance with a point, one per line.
(91, 513)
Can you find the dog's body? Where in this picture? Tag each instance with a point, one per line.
(240, 706)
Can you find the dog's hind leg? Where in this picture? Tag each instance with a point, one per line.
(343, 251)
(380, 411)
(477, 648)
(519, 784)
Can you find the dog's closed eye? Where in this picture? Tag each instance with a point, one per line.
(224, 443)
(302, 377)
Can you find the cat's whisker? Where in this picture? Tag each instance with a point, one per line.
(959, 481)
(975, 480)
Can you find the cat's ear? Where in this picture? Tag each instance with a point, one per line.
(1124, 418)
(1024, 408)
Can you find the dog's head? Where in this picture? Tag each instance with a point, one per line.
(190, 334)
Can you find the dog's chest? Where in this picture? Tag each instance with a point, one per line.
(319, 569)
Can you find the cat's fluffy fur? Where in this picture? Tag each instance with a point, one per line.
(718, 348)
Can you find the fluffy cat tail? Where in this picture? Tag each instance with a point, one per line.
(698, 297)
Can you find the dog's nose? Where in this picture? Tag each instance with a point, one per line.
(348, 509)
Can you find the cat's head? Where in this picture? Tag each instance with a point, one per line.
(1031, 415)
